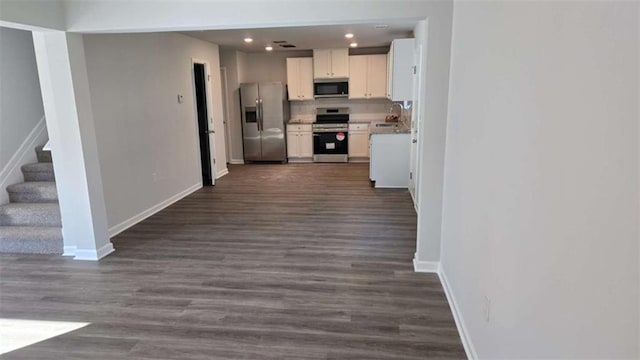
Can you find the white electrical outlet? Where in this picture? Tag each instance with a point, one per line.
(486, 309)
(155, 177)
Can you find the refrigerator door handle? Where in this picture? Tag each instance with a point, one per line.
(258, 115)
(261, 116)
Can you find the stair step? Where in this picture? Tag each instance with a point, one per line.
(43, 155)
(33, 192)
(26, 214)
(31, 240)
(42, 171)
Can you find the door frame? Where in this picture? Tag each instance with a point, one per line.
(211, 126)
(416, 127)
(225, 106)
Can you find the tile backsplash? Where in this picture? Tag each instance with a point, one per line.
(360, 110)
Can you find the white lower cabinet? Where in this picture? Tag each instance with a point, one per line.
(389, 164)
(358, 142)
(299, 143)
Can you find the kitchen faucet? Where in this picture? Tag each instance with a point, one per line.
(399, 115)
(391, 109)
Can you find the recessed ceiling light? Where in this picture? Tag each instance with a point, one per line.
(381, 26)
(248, 40)
(348, 36)
(268, 48)
(354, 44)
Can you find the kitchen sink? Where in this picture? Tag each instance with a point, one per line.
(386, 125)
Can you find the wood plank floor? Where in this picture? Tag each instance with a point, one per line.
(302, 261)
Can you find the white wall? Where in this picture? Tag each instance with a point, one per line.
(541, 195)
(269, 66)
(173, 15)
(20, 98)
(33, 14)
(229, 60)
(434, 35)
(20, 103)
(141, 129)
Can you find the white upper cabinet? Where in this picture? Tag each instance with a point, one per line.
(400, 70)
(321, 63)
(330, 63)
(367, 76)
(300, 78)
(340, 63)
(306, 78)
(358, 77)
(377, 76)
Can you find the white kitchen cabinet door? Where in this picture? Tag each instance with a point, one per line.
(401, 68)
(293, 79)
(376, 76)
(358, 144)
(321, 63)
(389, 72)
(300, 78)
(293, 145)
(340, 63)
(330, 63)
(305, 71)
(305, 144)
(358, 77)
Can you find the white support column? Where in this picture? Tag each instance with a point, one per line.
(67, 106)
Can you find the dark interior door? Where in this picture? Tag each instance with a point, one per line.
(203, 126)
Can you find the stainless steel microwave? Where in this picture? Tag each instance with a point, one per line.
(330, 88)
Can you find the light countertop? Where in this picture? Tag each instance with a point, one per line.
(380, 127)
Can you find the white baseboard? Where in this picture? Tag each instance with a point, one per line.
(94, 255)
(457, 317)
(236, 162)
(117, 229)
(222, 173)
(300, 160)
(11, 173)
(425, 266)
(69, 250)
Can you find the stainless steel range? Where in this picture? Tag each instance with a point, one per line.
(330, 135)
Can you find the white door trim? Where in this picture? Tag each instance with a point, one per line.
(225, 101)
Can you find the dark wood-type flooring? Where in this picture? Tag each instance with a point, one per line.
(275, 262)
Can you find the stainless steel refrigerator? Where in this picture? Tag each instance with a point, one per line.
(265, 110)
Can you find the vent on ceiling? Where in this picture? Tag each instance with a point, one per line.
(287, 45)
(279, 42)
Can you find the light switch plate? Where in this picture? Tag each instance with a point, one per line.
(180, 99)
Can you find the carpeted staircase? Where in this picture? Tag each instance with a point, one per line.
(30, 223)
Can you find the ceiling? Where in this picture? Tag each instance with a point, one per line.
(309, 37)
